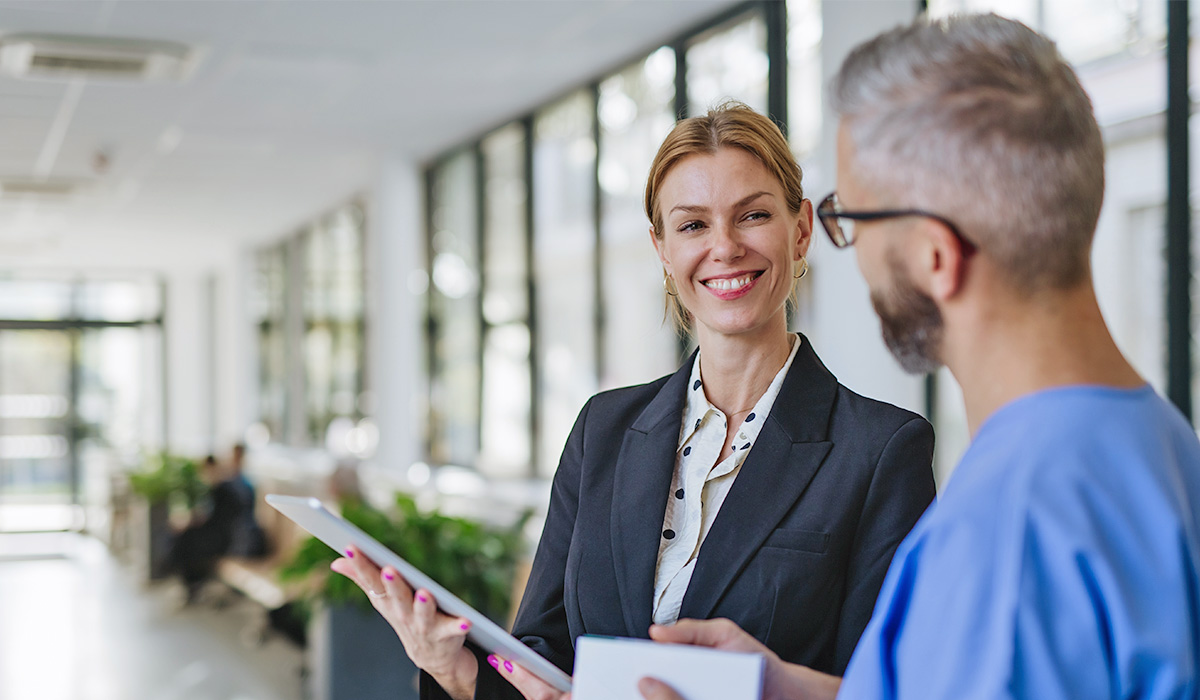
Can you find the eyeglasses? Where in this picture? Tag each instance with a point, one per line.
(839, 223)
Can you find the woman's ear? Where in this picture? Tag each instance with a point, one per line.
(803, 231)
(660, 249)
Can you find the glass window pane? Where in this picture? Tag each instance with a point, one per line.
(118, 300)
(506, 431)
(334, 288)
(729, 62)
(636, 113)
(454, 307)
(564, 165)
(35, 300)
(805, 90)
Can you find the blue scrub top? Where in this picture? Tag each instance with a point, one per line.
(1061, 562)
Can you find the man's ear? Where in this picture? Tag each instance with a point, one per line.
(945, 261)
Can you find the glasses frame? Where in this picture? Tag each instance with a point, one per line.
(829, 211)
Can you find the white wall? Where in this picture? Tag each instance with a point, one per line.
(395, 362)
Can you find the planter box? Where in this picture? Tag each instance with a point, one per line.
(354, 654)
(149, 538)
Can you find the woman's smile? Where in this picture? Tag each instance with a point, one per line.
(733, 285)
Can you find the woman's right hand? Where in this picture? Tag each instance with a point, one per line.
(433, 640)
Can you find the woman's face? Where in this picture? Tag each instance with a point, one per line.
(729, 241)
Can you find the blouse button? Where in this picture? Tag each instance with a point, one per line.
(679, 494)
(669, 534)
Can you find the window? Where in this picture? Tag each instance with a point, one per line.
(506, 448)
(729, 62)
(334, 354)
(636, 111)
(454, 387)
(545, 283)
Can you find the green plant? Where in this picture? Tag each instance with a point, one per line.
(473, 561)
(170, 479)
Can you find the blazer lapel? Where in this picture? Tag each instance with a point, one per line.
(784, 459)
(644, 469)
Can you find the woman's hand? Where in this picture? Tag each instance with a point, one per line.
(532, 687)
(432, 639)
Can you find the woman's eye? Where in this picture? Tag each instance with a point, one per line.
(757, 216)
(691, 226)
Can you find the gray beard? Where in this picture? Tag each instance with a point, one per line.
(911, 323)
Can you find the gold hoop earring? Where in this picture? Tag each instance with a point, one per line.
(669, 285)
(803, 269)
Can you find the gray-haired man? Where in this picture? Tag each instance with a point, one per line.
(1063, 560)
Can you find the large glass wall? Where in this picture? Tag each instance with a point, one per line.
(80, 396)
(521, 337)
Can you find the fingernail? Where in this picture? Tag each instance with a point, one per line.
(465, 626)
(350, 553)
(388, 575)
(422, 598)
(494, 661)
(508, 666)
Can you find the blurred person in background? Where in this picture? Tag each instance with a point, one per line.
(749, 484)
(1063, 559)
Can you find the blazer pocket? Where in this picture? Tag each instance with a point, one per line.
(799, 540)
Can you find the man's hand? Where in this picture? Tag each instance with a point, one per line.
(781, 680)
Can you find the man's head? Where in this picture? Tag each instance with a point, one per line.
(979, 125)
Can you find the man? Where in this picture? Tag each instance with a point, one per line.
(1062, 559)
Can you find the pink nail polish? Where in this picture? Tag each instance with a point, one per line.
(465, 626)
(494, 661)
(508, 666)
(350, 553)
(422, 598)
(388, 575)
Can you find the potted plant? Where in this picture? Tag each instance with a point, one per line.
(353, 651)
(168, 482)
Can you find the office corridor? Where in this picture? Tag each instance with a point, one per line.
(75, 624)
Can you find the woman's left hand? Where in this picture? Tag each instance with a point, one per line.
(532, 687)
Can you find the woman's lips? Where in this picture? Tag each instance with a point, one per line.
(732, 287)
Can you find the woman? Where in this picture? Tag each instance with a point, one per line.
(749, 484)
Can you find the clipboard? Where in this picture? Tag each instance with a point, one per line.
(310, 514)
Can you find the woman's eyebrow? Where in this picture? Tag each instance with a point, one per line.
(699, 208)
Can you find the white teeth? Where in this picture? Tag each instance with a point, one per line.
(725, 285)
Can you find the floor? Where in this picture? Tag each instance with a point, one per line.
(76, 624)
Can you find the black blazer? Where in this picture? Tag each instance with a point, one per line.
(796, 555)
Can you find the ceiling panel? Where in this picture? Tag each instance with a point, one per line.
(292, 104)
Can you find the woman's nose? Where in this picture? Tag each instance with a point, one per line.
(726, 244)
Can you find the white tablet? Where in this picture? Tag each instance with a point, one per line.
(311, 515)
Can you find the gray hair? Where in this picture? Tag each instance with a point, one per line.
(980, 119)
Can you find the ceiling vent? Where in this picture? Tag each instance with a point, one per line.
(70, 56)
(33, 188)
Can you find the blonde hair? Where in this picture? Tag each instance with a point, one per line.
(730, 124)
